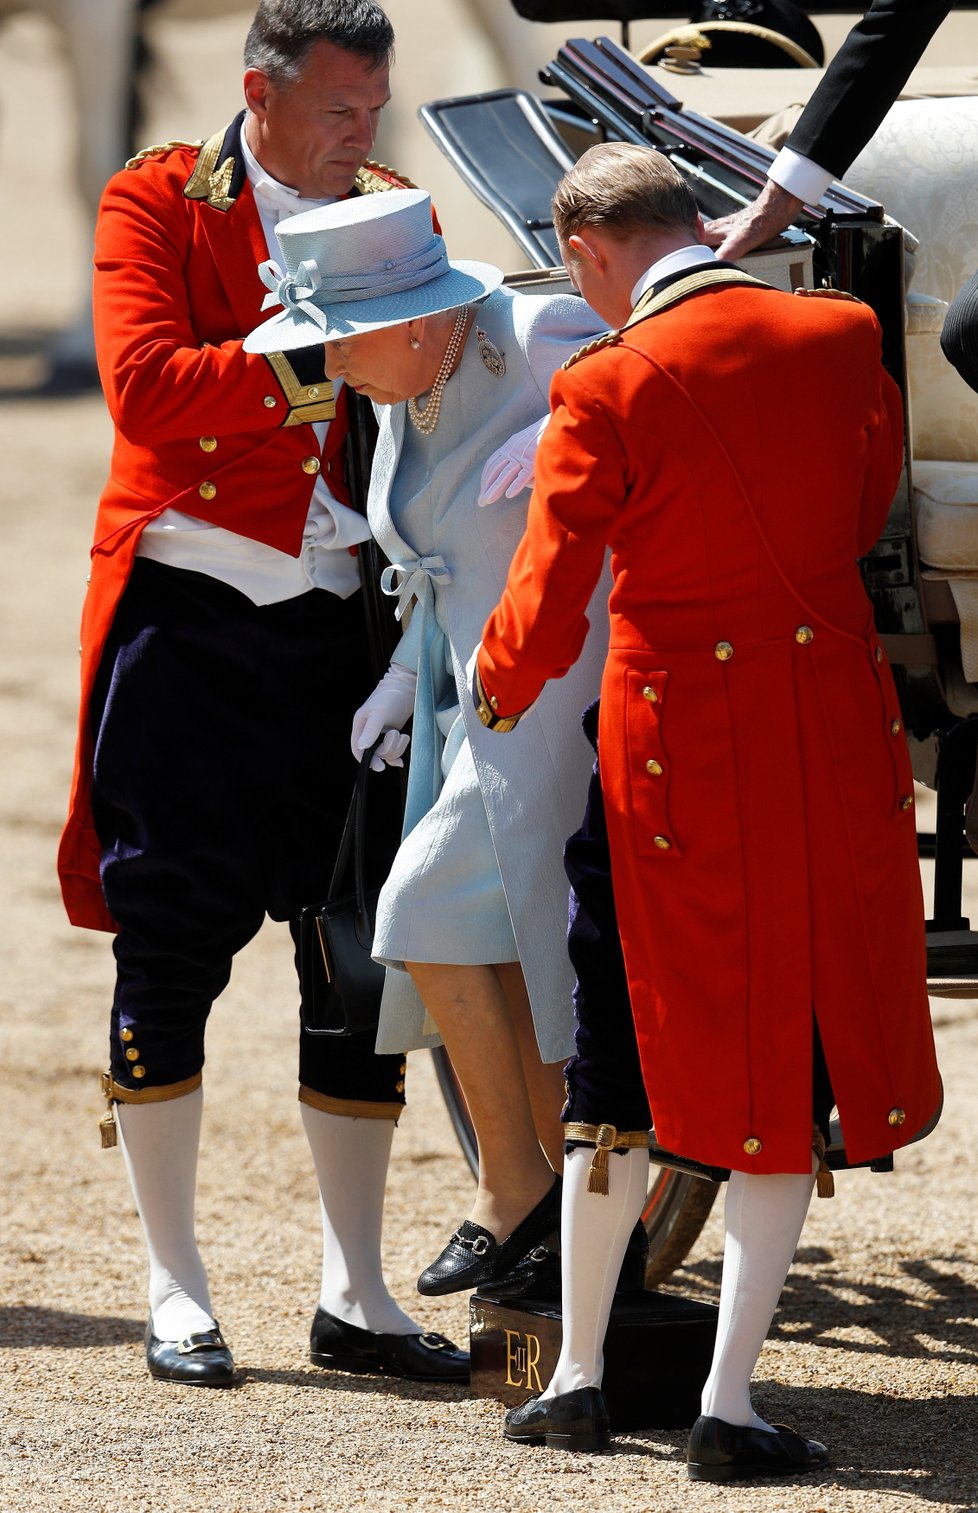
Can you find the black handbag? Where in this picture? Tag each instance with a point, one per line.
(339, 982)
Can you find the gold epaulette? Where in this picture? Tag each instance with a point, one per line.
(829, 294)
(151, 152)
(373, 177)
(610, 339)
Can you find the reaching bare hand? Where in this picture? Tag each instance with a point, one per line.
(733, 235)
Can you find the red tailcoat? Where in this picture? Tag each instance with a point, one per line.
(738, 451)
(200, 425)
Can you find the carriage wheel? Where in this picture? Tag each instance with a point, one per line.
(675, 1209)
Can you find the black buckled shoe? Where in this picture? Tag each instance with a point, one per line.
(201, 1360)
(415, 1357)
(473, 1256)
(575, 1420)
(536, 1276)
(719, 1451)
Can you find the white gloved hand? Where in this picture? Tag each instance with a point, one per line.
(510, 468)
(388, 708)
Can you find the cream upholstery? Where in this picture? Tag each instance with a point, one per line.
(922, 166)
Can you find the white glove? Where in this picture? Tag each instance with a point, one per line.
(510, 468)
(389, 707)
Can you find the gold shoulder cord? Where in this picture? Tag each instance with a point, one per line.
(151, 152)
(829, 294)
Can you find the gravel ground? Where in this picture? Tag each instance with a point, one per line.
(876, 1344)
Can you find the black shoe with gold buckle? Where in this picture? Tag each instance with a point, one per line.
(338, 1346)
(474, 1256)
(201, 1360)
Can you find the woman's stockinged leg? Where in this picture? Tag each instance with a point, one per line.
(544, 1080)
(470, 1008)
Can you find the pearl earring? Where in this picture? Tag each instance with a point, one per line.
(414, 343)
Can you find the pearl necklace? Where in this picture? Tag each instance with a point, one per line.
(425, 420)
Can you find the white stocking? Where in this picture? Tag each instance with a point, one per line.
(351, 1158)
(764, 1216)
(159, 1142)
(594, 1233)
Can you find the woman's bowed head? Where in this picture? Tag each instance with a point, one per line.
(369, 265)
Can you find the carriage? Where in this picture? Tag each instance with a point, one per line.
(510, 147)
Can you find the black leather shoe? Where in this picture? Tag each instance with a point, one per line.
(201, 1360)
(415, 1357)
(536, 1276)
(719, 1451)
(474, 1256)
(570, 1421)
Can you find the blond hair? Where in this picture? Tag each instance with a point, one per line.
(624, 189)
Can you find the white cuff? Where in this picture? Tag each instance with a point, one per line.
(800, 176)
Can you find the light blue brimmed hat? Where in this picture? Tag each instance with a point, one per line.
(360, 265)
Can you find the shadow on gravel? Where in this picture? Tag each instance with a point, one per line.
(928, 1311)
(920, 1450)
(357, 1384)
(22, 1327)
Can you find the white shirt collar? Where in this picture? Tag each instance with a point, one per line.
(673, 262)
(270, 194)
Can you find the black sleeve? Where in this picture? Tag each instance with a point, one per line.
(863, 80)
(959, 338)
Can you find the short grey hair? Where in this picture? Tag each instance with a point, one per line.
(283, 31)
(624, 189)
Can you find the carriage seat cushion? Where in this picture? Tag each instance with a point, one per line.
(945, 506)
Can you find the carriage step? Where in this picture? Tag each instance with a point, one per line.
(952, 963)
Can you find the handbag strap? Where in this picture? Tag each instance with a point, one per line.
(353, 837)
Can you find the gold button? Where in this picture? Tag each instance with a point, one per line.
(269, 402)
(313, 391)
(207, 490)
(906, 802)
(723, 651)
(752, 1146)
(88, 578)
(125, 1035)
(139, 1071)
(310, 464)
(663, 843)
(896, 1116)
(879, 653)
(493, 702)
(895, 728)
(403, 1067)
(208, 443)
(650, 694)
(653, 767)
(399, 1087)
(132, 1054)
(804, 634)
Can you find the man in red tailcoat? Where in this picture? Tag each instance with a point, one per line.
(738, 448)
(222, 663)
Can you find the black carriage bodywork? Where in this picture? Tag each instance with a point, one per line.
(511, 147)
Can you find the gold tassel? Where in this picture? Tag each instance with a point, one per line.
(824, 1180)
(597, 1177)
(107, 1130)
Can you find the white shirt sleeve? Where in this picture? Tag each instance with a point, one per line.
(800, 176)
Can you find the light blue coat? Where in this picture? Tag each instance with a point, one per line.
(534, 780)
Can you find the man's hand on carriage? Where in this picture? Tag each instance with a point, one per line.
(388, 708)
(763, 219)
(510, 468)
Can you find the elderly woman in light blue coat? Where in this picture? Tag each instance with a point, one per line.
(472, 921)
